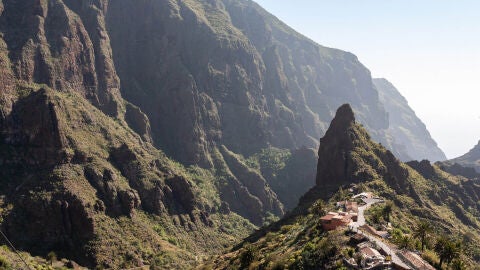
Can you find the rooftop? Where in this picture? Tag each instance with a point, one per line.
(370, 252)
(416, 261)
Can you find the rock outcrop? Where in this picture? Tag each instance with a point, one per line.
(335, 163)
(348, 155)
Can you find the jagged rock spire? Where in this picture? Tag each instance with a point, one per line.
(334, 147)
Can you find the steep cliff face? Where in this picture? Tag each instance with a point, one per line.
(308, 79)
(76, 178)
(405, 127)
(212, 83)
(194, 74)
(233, 75)
(45, 42)
(347, 155)
(211, 73)
(470, 159)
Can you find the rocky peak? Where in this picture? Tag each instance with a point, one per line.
(344, 118)
(335, 146)
(424, 167)
(348, 155)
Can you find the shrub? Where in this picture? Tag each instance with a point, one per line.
(430, 256)
(4, 264)
(248, 256)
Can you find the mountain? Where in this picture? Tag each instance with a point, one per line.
(160, 132)
(77, 180)
(233, 75)
(416, 192)
(229, 67)
(470, 159)
(347, 155)
(79, 183)
(405, 127)
(227, 74)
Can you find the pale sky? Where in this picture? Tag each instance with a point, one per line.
(429, 49)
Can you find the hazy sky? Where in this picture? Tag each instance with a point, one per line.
(429, 49)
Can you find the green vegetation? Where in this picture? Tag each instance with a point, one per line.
(4, 264)
(447, 249)
(379, 213)
(102, 167)
(422, 231)
(289, 173)
(297, 242)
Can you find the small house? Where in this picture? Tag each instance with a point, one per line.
(333, 220)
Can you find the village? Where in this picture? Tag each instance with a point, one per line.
(372, 251)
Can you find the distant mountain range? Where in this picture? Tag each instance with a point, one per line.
(470, 159)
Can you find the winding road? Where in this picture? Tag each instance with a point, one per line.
(361, 210)
(392, 251)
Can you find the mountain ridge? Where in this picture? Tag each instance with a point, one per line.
(471, 159)
(415, 192)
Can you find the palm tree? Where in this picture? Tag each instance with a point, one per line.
(447, 249)
(421, 231)
(387, 210)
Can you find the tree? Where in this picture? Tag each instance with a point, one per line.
(421, 231)
(387, 211)
(447, 249)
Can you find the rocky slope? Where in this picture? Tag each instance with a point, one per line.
(76, 178)
(99, 98)
(78, 183)
(405, 127)
(470, 159)
(418, 191)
